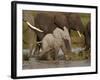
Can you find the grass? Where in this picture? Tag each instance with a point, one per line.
(29, 37)
(85, 18)
(76, 40)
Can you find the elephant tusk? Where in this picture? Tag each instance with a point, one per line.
(33, 27)
(79, 33)
(64, 27)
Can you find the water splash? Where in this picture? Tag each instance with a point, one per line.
(77, 50)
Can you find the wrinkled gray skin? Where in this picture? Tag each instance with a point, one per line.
(88, 36)
(56, 41)
(75, 22)
(71, 20)
(47, 22)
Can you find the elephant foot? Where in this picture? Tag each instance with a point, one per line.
(49, 55)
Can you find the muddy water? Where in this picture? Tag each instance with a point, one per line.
(32, 63)
(75, 50)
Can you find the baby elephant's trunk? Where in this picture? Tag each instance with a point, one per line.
(67, 44)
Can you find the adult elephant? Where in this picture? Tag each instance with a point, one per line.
(75, 22)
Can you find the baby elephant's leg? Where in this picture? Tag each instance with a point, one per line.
(55, 54)
(50, 54)
(66, 51)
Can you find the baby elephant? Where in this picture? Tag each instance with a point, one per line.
(52, 43)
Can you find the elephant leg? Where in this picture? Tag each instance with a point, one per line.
(31, 52)
(55, 54)
(47, 45)
(34, 51)
(47, 53)
(69, 32)
(37, 51)
(65, 51)
(67, 44)
(88, 42)
(45, 48)
(51, 54)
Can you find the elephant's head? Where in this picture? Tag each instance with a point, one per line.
(74, 22)
(71, 20)
(60, 20)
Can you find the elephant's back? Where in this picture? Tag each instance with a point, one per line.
(44, 22)
(75, 20)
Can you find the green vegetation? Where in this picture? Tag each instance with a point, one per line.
(85, 18)
(29, 37)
